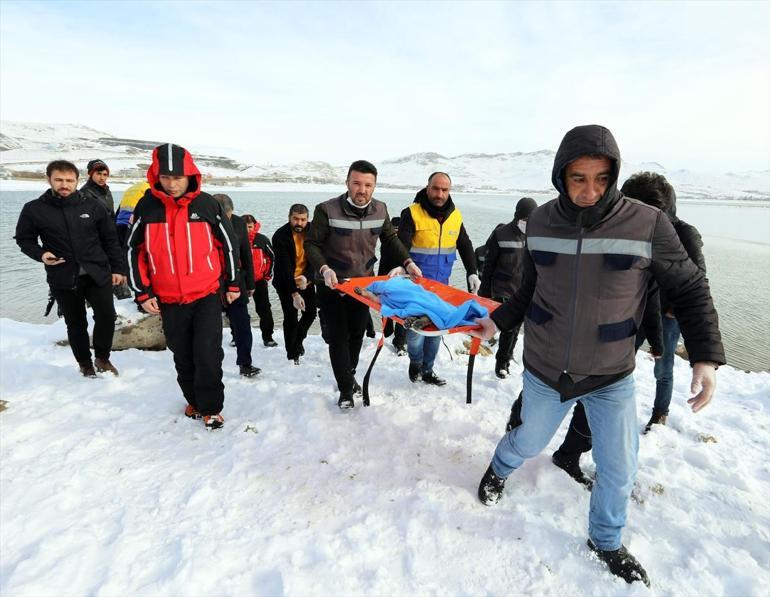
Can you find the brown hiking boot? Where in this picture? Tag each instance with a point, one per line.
(104, 366)
(655, 419)
(192, 413)
(87, 369)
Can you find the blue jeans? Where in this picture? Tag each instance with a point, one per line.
(422, 350)
(664, 366)
(611, 413)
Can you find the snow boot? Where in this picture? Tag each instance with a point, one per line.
(345, 401)
(414, 372)
(87, 369)
(570, 464)
(431, 378)
(270, 343)
(213, 421)
(656, 419)
(192, 413)
(491, 488)
(621, 563)
(502, 369)
(104, 366)
(400, 348)
(249, 371)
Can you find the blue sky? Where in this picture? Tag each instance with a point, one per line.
(686, 84)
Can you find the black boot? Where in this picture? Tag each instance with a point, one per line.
(250, 371)
(502, 369)
(621, 563)
(491, 488)
(414, 372)
(656, 419)
(431, 378)
(570, 463)
(346, 400)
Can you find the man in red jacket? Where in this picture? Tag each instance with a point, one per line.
(180, 248)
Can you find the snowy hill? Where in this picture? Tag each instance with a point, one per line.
(25, 149)
(108, 490)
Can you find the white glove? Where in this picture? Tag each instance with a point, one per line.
(330, 278)
(301, 282)
(396, 271)
(298, 301)
(474, 282)
(704, 383)
(413, 270)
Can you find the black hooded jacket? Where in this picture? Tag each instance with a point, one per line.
(102, 195)
(75, 228)
(584, 298)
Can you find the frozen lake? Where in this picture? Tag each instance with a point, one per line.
(736, 237)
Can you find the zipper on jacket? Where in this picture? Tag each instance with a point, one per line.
(438, 251)
(575, 279)
(69, 234)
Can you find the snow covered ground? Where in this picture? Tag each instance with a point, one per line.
(106, 489)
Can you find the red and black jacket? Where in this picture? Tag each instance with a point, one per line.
(179, 250)
(261, 254)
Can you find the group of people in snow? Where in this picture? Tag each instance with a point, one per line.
(593, 273)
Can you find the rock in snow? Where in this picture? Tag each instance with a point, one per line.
(107, 489)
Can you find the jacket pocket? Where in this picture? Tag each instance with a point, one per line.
(615, 262)
(612, 332)
(545, 258)
(537, 314)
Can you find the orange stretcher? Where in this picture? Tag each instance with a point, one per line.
(453, 296)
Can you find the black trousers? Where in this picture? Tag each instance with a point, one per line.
(578, 438)
(194, 334)
(73, 307)
(398, 332)
(345, 318)
(264, 311)
(295, 330)
(506, 344)
(240, 324)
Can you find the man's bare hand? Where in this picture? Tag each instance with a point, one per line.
(151, 306)
(232, 296)
(488, 328)
(118, 279)
(51, 259)
(704, 383)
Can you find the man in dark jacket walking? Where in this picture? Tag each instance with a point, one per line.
(592, 253)
(180, 248)
(293, 282)
(75, 238)
(340, 245)
(96, 186)
(501, 273)
(238, 310)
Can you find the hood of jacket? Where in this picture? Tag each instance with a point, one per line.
(591, 139)
(439, 213)
(176, 161)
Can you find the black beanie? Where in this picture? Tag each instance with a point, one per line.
(524, 207)
(96, 165)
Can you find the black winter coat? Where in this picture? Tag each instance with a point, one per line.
(243, 251)
(102, 195)
(286, 260)
(75, 228)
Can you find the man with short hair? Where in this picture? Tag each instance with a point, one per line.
(181, 249)
(341, 244)
(501, 273)
(433, 232)
(292, 280)
(238, 310)
(591, 255)
(75, 238)
(96, 186)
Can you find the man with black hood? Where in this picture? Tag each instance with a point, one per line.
(181, 251)
(96, 186)
(433, 232)
(501, 274)
(592, 252)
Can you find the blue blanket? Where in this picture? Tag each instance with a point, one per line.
(403, 298)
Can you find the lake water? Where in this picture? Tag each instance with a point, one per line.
(736, 237)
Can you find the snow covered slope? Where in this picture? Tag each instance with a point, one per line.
(25, 149)
(107, 489)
